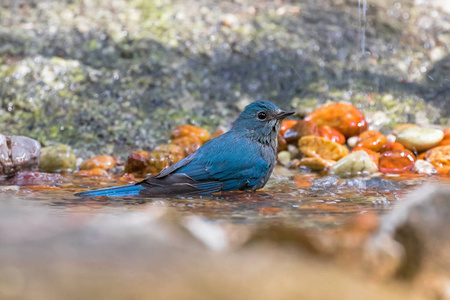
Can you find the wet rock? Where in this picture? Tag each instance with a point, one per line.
(354, 183)
(419, 139)
(391, 146)
(397, 161)
(136, 162)
(57, 158)
(189, 144)
(374, 156)
(169, 148)
(372, 140)
(37, 178)
(316, 163)
(284, 157)
(352, 141)
(159, 160)
(324, 183)
(314, 146)
(286, 124)
(343, 117)
(299, 130)
(399, 128)
(331, 134)
(380, 183)
(18, 153)
(416, 233)
(355, 164)
(424, 167)
(439, 157)
(189, 130)
(104, 162)
(282, 144)
(94, 172)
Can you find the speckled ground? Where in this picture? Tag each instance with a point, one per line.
(110, 76)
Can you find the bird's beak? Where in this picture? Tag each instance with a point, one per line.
(283, 114)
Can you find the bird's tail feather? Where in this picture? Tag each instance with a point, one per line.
(117, 191)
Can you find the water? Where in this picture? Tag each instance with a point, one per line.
(294, 198)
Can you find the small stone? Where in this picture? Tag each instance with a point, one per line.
(136, 162)
(372, 140)
(284, 157)
(282, 144)
(189, 144)
(315, 146)
(351, 142)
(396, 161)
(373, 155)
(299, 130)
(331, 134)
(424, 167)
(343, 117)
(190, 130)
(399, 128)
(95, 172)
(57, 158)
(391, 147)
(355, 164)
(104, 162)
(439, 157)
(391, 138)
(159, 160)
(286, 124)
(18, 153)
(324, 183)
(316, 163)
(420, 139)
(380, 184)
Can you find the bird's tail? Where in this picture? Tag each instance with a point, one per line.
(117, 191)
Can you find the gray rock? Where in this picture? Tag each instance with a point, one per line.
(18, 153)
(416, 234)
(380, 183)
(324, 183)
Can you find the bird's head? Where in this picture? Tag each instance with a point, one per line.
(261, 120)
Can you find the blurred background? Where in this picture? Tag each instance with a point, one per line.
(110, 76)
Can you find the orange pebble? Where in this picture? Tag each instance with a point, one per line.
(447, 133)
(299, 130)
(444, 142)
(92, 172)
(189, 144)
(343, 117)
(374, 156)
(331, 134)
(391, 146)
(104, 162)
(397, 161)
(372, 140)
(282, 144)
(439, 157)
(286, 125)
(190, 130)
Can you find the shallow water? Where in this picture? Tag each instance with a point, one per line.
(292, 198)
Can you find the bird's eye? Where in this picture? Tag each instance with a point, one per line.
(262, 115)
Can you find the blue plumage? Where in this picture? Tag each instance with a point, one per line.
(241, 159)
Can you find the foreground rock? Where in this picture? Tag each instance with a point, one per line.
(414, 239)
(173, 261)
(18, 153)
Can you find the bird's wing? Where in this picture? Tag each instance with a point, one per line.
(226, 163)
(233, 160)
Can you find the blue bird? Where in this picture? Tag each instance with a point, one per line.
(241, 159)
